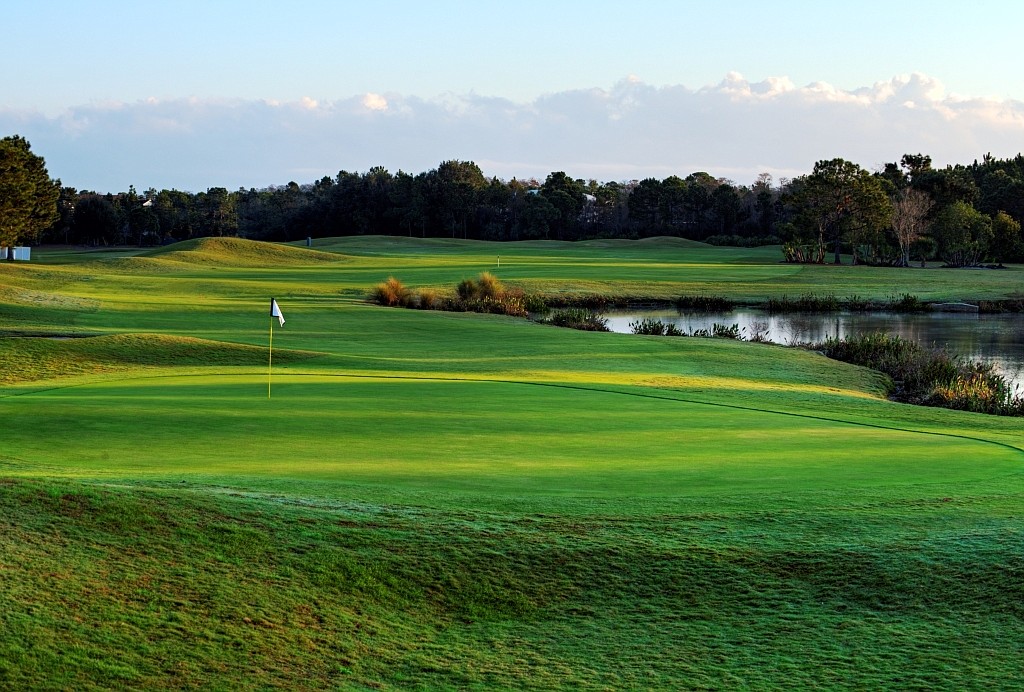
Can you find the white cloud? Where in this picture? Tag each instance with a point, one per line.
(734, 129)
(375, 102)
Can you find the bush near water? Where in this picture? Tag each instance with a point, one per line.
(929, 376)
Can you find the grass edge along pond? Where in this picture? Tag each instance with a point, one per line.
(130, 558)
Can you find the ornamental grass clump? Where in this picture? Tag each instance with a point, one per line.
(488, 287)
(392, 293)
(487, 294)
(467, 289)
(429, 299)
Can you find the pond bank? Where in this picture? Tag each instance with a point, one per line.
(785, 304)
(995, 338)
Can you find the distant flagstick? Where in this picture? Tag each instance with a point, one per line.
(275, 311)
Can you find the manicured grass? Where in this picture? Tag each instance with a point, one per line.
(448, 500)
(478, 438)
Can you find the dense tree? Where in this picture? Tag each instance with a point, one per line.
(539, 215)
(915, 165)
(645, 204)
(1000, 191)
(96, 221)
(838, 206)
(765, 204)
(699, 188)
(216, 212)
(1006, 238)
(673, 204)
(840, 203)
(28, 197)
(963, 235)
(948, 185)
(60, 231)
(726, 208)
(566, 195)
(452, 191)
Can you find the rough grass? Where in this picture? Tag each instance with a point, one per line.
(130, 587)
(26, 359)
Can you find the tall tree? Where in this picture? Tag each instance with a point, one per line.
(28, 197)
(909, 219)
(841, 202)
(699, 188)
(1006, 238)
(96, 221)
(453, 189)
(645, 204)
(566, 195)
(963, 234)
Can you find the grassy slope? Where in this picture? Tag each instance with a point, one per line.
(544, 526)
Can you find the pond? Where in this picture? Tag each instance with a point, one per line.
(996, 339)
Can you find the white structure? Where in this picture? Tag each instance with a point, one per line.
(20, 253)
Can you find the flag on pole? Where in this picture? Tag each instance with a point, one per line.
(275, 311)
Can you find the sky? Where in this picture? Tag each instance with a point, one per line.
(228, 93)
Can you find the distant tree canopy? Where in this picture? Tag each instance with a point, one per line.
(908, 211)
(28, 198)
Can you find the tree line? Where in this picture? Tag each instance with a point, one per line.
(909, 211)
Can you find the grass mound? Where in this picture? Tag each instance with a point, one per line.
(37, 358)
(654, 242)
(142, 265)
(238, 252)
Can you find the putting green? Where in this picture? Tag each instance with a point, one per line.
(498, 439)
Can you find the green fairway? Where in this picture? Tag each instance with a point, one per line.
(483, 438)
(453, 500)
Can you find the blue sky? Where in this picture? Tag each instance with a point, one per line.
(222, 92)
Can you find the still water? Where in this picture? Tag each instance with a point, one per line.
(997, 339)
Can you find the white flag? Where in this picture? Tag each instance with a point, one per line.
(275, 311)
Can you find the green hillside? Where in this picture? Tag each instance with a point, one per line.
(415, 499)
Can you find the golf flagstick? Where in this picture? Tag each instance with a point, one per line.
(275, 311)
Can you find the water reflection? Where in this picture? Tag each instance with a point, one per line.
(997, 339)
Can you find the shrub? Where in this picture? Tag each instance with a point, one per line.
(743, 241)
(429, 299)
(857, 304)
(721, 331)
(488, 286)
(535, 304)
(391, 293)
(907, 303)
(932, 377)
(648, 326)
(758, 332)
(590, 302)
(704, 303)
(578, 318)
(980, 392)
(796, 253)
(805, 303)
(467, 290)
